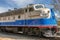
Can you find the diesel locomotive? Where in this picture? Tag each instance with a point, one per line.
(34, 19)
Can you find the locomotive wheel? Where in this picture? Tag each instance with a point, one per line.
(41, 34)
(3, 29)
(25, 31)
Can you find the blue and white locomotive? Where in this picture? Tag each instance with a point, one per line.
(34, 19)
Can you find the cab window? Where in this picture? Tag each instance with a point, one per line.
(31, 9)
(19, 17)
(25, 10)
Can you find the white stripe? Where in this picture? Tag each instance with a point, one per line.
(7, 21)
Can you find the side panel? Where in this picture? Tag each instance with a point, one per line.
(30, 22)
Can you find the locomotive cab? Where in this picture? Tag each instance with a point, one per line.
(39, 10)
(44, 12)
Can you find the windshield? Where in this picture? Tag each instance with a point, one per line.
(38, 6)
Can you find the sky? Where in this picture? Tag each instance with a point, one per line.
(11, 4)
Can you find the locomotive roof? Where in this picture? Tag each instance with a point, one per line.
(15, 12)
(12, 12)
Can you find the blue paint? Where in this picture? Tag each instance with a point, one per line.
(40, 21)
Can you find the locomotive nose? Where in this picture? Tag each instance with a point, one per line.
(45, 13)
